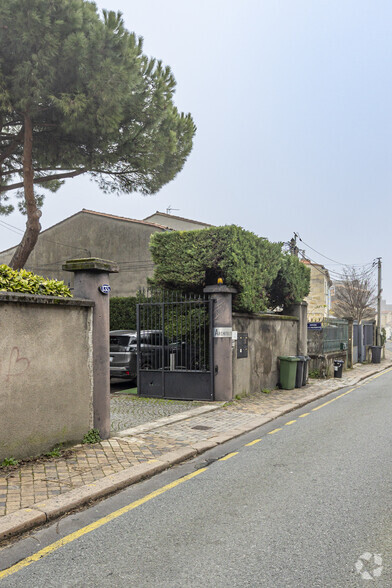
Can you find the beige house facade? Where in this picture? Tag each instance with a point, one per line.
(319, 298)
(94, 234)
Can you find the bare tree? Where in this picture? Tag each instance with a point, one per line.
(355, 296)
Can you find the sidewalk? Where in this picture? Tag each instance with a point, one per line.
(35, 492)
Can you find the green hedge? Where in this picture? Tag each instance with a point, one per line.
(190, 260)
(264, 276)
(292, 283)
(123, 312)
(29, 283)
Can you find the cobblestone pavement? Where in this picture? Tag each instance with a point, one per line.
(128, 411)
(32, 482)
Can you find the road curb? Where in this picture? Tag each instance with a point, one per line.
(42, 512)
(20, 521)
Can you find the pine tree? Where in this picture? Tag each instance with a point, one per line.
(77, 96)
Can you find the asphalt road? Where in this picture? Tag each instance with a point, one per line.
(307, 505)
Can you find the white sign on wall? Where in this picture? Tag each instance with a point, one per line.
(223, 332)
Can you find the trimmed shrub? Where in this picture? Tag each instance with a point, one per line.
(123, 312)
(29, 283)
(189, 260)
(292, 283)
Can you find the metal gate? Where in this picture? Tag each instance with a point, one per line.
(175, 347)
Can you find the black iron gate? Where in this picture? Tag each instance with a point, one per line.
(175, 347)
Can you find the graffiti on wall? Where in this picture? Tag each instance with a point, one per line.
(14, 364)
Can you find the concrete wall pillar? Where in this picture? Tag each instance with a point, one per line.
(301, 312)
(91, 281)
(350, 343)
(223, 324)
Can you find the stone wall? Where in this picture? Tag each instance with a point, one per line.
(268, 337)
(46, 379)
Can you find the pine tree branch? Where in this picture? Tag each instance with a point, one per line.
(11, 148)
(42, 180)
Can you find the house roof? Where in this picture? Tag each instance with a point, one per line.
(86, 211)
(124, 218)
(320, 268)
(189, 220)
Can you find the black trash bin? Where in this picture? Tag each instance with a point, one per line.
(300, 371)
(338, 368)
(376, 353)
(306, 371)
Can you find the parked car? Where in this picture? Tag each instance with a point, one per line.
(155, 351)
(123, 354)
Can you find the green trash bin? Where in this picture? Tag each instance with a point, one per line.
(288, 371)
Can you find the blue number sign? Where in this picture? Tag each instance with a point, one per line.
(104, 289)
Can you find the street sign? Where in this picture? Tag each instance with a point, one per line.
(315, 326)
(223, 332)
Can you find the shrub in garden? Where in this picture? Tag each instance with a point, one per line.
(189, 260)
(291, 284)
(123, 312)
(29, 283)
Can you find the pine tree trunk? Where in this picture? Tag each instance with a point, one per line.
(33, 226)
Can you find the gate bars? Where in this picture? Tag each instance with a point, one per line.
(175, 346)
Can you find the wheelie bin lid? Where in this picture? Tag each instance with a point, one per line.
(288, 357)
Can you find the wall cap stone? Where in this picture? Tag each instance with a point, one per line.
(219, 289)
(39, 299)
(265, 317)
(92, 264)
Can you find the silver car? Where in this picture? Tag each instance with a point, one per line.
(123, 352)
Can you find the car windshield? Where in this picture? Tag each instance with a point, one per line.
(121, 342)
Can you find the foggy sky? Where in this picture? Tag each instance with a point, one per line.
(292, 101)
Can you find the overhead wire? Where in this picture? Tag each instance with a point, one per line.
(322, 255)
(18, 231)
(338, 276)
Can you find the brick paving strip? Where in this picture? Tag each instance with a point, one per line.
(39, 491)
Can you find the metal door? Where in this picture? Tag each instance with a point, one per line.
(175, 347)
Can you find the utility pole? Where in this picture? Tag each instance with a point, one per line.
(293, 245)
(379, 290)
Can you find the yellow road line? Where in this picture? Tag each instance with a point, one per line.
(290, 422)
(376, 376)
(325, 404)
(304, 415)
(228, 456)
(274, 431)
(352, 389)
(252, 442)
(93, 526)
(344, 393)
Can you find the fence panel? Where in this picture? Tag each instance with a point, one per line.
(335, 335)
(368, 334)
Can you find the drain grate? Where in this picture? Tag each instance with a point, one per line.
(202, 428)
